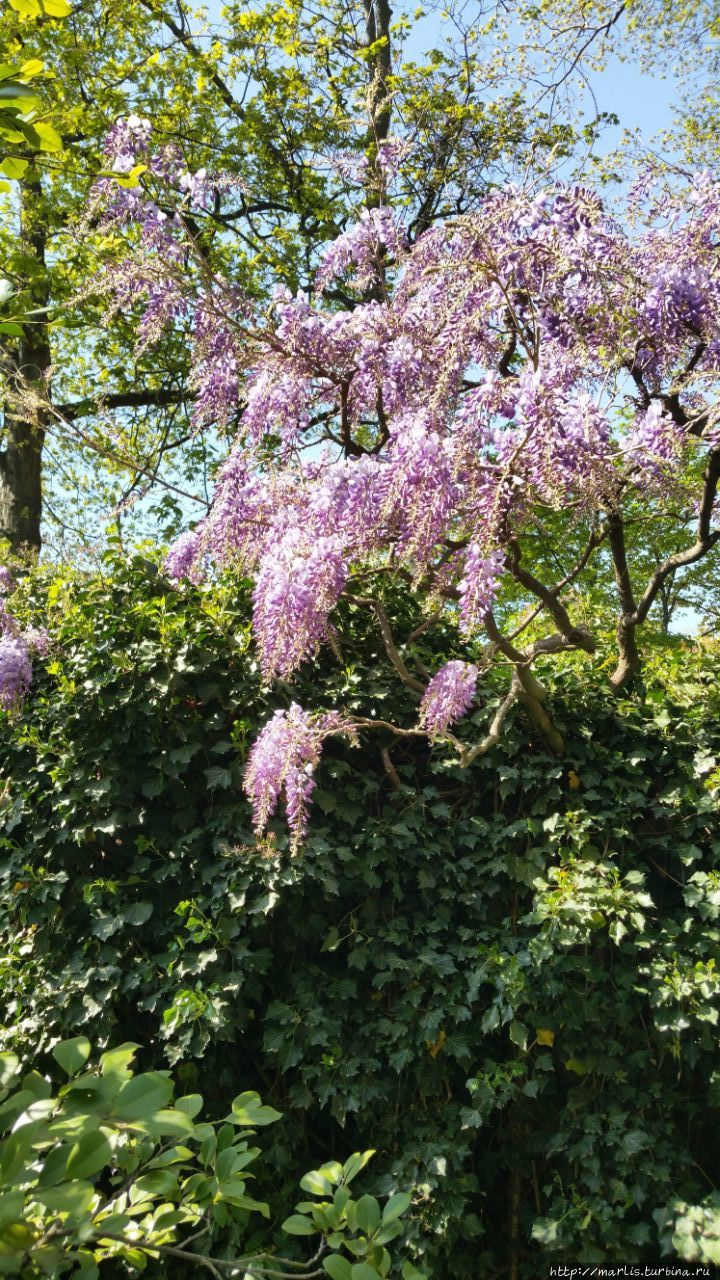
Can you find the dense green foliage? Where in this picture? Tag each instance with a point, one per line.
(505, 979)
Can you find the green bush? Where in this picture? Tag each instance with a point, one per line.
(505, 979)
(107, 1169)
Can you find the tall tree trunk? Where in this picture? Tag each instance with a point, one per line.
(377, 31)
(28, 362)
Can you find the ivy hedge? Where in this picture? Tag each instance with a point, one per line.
(505, 980)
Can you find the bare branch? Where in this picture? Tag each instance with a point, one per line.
(388, 640)
(148, 398)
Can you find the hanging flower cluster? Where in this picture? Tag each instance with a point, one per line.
(523, 357)
(448, 696)
(17, 646)
(284, 759)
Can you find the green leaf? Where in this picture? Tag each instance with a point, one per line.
(116, 1062)
(316, 1183)
(338, 1268)
(518, 1034)
(57, 8)
(142, 1095)
(242, 1201)
(362, 1271)
(191, 1104)
(577, 1066)
(297, 1225)
(388, 1231)
(90, 1154)
(545, 1230)
(72, 1055)
(356, 1162)
(165, 1124)
(37, 1085)
(11, 1206)
(14, 1152)
(138, 913)
(29, 8)
(13, 167)
(158, 1182)
(75, 1198)
(396, 1206)
(367, 1213)
(249, 1112)
(131, 179)
(50, 139)
(9, 1064)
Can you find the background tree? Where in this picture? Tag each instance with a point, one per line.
(290, 106)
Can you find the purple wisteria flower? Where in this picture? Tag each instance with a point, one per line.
(478, 586)
(297, 584)
(17, 645)
(448, 696)
(361, 248)
(283, 759)
(183, 558)
(215, 374)
(126, 142)
(15, 671)
(656, 444)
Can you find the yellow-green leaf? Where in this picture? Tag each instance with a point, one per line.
(13, 167)
(50, 139)
(29, 8)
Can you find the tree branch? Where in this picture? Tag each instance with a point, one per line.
(388, 640)
(147, 398)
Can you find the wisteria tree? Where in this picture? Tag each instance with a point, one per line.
(458, 415)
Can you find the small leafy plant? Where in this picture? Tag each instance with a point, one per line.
(110, 1166)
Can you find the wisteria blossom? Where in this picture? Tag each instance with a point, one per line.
(360, 249)
(284, 759)
(15, 671)
(17, 645)
(421, 412)
(478, 585)
(448, 696)
(657, 443)
(297, 585)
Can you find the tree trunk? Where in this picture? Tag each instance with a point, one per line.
(27, 363)
(377, 30)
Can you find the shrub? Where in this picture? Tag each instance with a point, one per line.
(505, 978)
